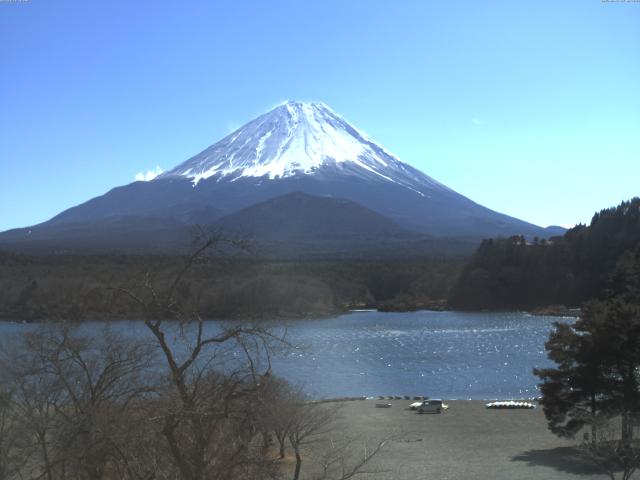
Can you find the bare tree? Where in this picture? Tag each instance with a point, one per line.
(341, 461)
(11, 455)
(308, 428)
(34, 396)
(71, 395)
(273, 414)
(206, 414)
(308, 421)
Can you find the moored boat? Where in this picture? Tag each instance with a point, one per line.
(510, 404)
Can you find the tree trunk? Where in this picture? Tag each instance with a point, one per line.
(594, 427)
(296, 473)
(281, 442)
(626, 430)
(628, 405)
(45, 455)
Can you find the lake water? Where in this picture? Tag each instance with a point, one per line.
(452, 355)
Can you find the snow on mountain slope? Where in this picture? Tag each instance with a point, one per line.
(299, 138)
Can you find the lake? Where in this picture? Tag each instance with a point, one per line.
(452, 355)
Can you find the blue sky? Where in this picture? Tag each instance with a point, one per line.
(531, 108)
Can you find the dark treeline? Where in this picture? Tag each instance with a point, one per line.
(86, 286)
(510, 273)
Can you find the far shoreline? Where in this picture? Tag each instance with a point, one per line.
(553, 311)
(558, 311)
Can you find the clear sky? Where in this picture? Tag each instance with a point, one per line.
(531, 108)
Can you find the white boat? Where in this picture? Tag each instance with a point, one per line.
(509, 405)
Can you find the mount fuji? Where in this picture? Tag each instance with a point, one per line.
(300, 158)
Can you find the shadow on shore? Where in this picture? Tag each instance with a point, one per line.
(563, 459)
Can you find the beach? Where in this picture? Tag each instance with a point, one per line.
(468, 441)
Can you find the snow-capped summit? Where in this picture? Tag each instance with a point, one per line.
(299, 138)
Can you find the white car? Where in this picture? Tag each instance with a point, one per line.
(432, 406)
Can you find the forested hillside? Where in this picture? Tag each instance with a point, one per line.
(39, 287)
(513, 273)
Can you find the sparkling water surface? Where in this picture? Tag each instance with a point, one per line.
(451, 355)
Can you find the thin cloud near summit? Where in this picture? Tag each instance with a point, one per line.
(148, 175)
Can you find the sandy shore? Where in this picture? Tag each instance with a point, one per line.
(466, 442)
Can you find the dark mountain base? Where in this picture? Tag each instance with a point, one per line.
(294, 225)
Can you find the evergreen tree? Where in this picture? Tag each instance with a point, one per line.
(598, 360)
(570, 392)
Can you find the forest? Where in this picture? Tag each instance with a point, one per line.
(517, 273)
(79, 287)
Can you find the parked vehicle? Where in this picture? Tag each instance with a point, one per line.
(432, 406)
